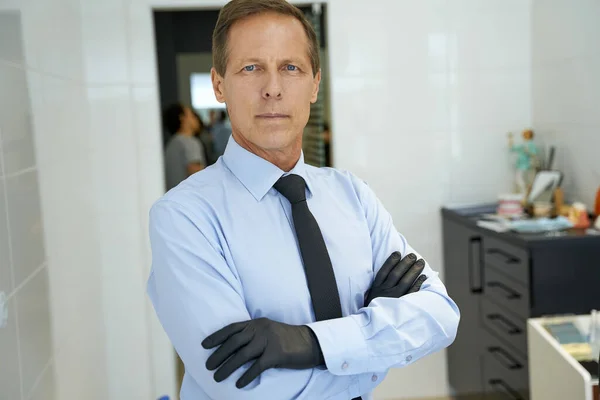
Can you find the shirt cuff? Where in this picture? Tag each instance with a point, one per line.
(343, 345)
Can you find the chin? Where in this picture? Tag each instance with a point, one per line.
(274, 140)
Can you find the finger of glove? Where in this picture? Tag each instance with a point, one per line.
(417, 285)
(385, 269)
(229, 348)
(399, 271)
(409, 278)
(248, 353)
(253, 372)
(223, 334)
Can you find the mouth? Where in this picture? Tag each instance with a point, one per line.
(272, 116)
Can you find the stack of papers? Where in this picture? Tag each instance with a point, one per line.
(541, 225)
(538, 225)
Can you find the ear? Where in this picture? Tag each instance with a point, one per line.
(217, 82)
(316, 83)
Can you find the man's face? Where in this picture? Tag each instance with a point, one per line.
(268, 85)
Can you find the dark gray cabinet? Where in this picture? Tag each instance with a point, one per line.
(498, 281)
(462, 253)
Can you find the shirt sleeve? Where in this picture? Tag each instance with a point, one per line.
(389, 332)
(193, 151)
(195, 292)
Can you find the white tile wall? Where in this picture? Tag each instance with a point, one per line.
(40, 21)
(105, 49)
(45, 388)
(142, 60)
(17, 145)
(35, 337)
(10, 27)
(6, 276)
(25, 224)
(68, 117)
(25, 340)
(566, 90)
(10, 378)
(423, 94)
(443, 80)
(490, 34)
(64, 111)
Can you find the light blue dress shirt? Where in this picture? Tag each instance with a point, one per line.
(224, 250)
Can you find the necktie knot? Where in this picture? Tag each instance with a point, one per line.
(292, 187)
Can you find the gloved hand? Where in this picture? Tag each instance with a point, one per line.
(397, 277)
(271, 344)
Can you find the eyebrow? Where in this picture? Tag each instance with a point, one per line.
(292, 61)
(259, 61)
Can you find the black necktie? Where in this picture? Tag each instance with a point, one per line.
(315, 258)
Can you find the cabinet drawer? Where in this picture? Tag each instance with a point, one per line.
(506, 326)
(506, 292)
(505, 373)
(508, 259)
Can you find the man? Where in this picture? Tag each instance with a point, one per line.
(184, 155)
(274, 279)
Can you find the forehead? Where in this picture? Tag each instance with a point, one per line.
(267, 35)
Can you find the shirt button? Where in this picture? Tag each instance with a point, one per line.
(408, 358)
(345, 365)
(374, 378)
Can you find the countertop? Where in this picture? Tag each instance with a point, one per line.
(469, 216)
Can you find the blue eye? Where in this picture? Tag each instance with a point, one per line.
(291, 67)
(249, 68)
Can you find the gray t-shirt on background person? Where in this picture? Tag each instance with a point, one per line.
(220, 132)
(180, 152)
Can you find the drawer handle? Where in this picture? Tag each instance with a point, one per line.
(512, 329)
(511, 294)
(475, 265)
(506, 257)
(504, 356)
(505, 388)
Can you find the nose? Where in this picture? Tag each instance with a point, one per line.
(273, 88)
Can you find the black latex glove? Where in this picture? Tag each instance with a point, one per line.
(397, 277)
(271, 344)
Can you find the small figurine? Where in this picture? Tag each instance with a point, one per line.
(526, 164)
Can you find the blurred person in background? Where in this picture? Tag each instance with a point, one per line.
(207, 141)
(184, 154)
(220, 131)
(274, 279)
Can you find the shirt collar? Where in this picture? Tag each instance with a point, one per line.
(257, 174)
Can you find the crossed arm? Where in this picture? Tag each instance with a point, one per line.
(390, 332)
